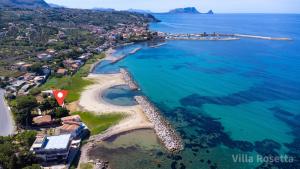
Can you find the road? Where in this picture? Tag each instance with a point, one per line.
(6, 120)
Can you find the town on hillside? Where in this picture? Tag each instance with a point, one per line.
(44, 49)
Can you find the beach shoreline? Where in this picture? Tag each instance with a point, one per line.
(92, 101)
(135, 116)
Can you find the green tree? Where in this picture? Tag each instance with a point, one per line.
(23, 107)
(48, 104)
(23, 102)
(13, 162)
(60, 112)
(36, 68)
(26, 138)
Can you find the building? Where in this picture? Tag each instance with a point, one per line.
(42, 120)
(85, 56)
(52, 148)
(61, 72)
(18, 84)
(75, 118)
(76, 129)
(45, 56)
(73, 125)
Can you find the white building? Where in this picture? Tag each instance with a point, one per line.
(52, 148)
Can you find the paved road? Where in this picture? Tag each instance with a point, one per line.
(6, 121)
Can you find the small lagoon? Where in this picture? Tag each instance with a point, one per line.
(120, 95)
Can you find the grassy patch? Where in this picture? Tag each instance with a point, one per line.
(85, 70)
(86, 166)
(99, 123)
(74, 85)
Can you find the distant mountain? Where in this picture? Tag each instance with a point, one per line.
(139, 10)
(210, 12)
(104, 9)
(191, 10)
(24, 3)
(188, 10)
(56, 6)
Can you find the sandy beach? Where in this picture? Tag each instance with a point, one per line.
(91, 100)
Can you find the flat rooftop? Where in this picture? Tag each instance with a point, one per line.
(58, 142)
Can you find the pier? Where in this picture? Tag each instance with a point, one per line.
(216, 37)
(134, 50)
(124, 56)
(162, 128)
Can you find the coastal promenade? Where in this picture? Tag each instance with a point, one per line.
(6, 119)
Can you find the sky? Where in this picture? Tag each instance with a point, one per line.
(218, 6)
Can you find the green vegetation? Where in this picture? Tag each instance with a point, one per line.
(99, 123)
(24, 33)
(85, 70)
(22, 107)
(74, 84)
(14, 151)
(86, 166)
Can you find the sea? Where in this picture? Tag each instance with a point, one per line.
(236, 104)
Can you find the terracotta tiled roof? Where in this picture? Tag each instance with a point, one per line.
(40, 120)
(70, 126)
(71, 118)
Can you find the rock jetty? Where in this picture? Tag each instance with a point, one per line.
(163, 129)
(128, 79)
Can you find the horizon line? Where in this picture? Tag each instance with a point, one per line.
(151, 12)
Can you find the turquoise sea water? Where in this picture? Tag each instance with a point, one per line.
(225, 98)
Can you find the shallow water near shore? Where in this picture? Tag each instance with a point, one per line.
(224, 98)
(120, 95)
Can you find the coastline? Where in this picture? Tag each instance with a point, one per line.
(91, 100)
(137, 116)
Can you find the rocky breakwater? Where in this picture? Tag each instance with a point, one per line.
(128, 79)
(163, 129)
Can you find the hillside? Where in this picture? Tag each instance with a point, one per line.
(26, 32)
(24, 3)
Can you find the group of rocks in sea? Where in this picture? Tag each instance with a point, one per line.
(163, 129)
(128, 79)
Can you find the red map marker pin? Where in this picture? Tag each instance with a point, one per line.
(60, 96)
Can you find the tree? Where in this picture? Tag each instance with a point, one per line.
(26, 138)
(36, 68)
(35, 91)
(13, 162)
(24, 106)
(28, 102)
(60, 112)
(48, 104)
(6, 151)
